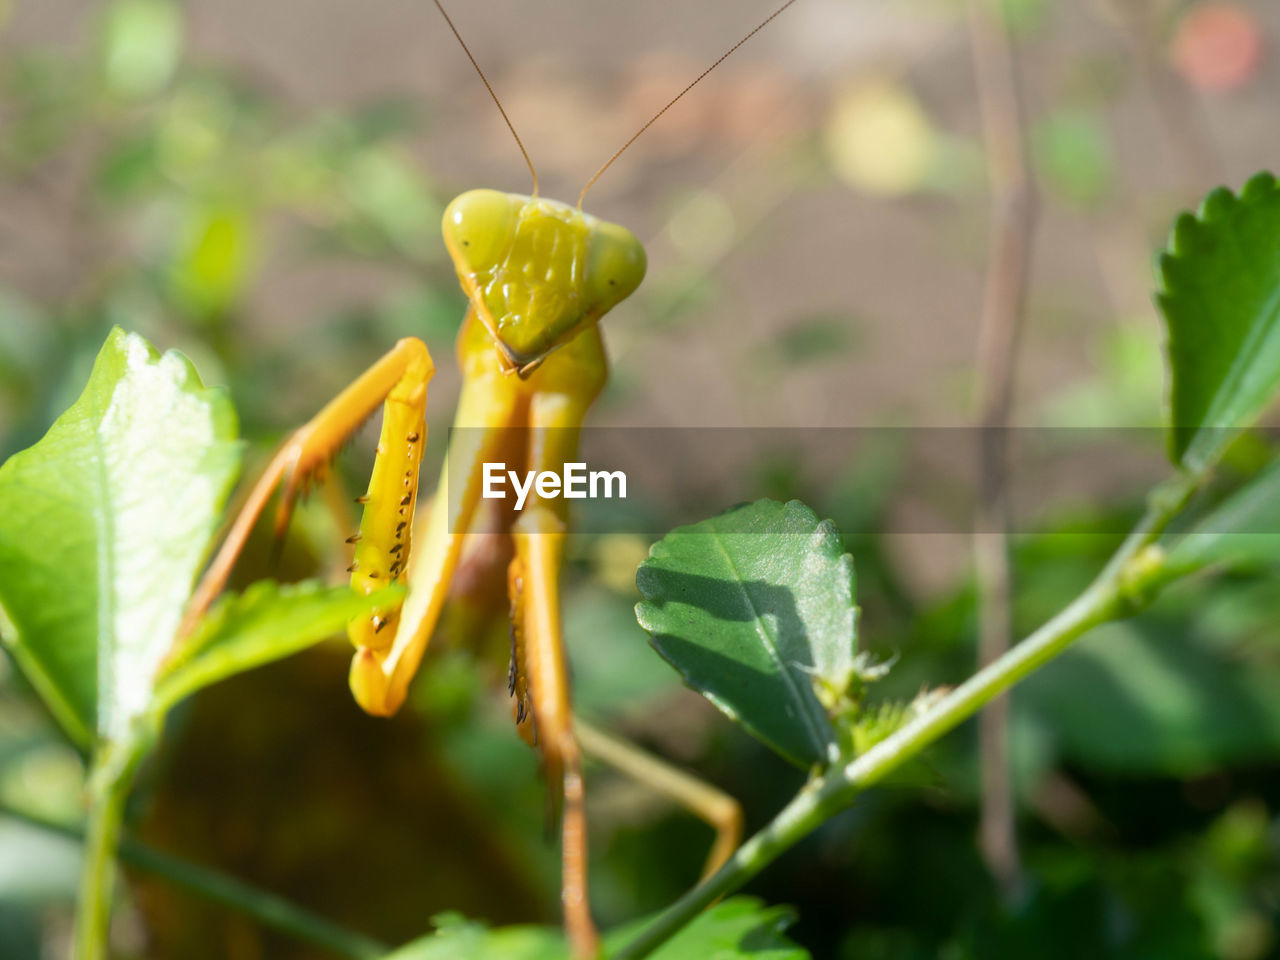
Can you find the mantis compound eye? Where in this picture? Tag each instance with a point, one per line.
(615, 266)
(479, 227)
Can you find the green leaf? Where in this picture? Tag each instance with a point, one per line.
(142, 41)
(214, 258)
(755, 609)
(1151, 699)
(1243, 530)
(741, 927)
(103, 526)
(457, 938)
(36, 867)
(1073, 155)
(1220, 294)
(265, 623)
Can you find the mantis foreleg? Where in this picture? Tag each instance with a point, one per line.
(387, 659)
(399, 381)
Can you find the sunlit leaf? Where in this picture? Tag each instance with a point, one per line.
(755, 609)
(1220, 294)
(742, 927)
(103, 526)
(265, 623)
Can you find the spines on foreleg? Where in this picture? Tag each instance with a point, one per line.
(383, 545)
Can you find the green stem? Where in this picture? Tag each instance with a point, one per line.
(98, 871)
(1122, 587)
(266, 908)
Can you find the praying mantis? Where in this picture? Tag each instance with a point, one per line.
(538, 275)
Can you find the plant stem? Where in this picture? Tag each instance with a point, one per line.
(1122, 588)
(97, 874)
(1013, 221)
(267, 908)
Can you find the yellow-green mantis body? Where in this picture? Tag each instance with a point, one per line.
(539, 275)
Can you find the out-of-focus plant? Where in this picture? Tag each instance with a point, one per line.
(107, 520)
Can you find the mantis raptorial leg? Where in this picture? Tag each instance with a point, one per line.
(398, 382)
(539, 275)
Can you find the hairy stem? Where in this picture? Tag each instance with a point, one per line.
(1124, 586)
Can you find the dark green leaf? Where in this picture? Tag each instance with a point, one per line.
(755, 608)
(1220, 294)
(103, 526)
(1156, 701)
(265, 623)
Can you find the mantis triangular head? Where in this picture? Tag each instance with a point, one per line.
(537, 271)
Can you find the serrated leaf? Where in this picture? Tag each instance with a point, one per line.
(741, 927)
(103, 527)
(265, 623)
(755, 609)
(1220, 295)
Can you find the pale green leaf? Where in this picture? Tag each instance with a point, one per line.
(103, 526)
(265, 623)
(736, 929)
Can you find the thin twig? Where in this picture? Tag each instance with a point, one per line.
(1013, 216)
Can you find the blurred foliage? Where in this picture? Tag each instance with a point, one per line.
(1150, 815)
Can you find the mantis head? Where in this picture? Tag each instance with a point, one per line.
(537, 272)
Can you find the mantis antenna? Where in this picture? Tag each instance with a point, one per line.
(652, 120)
(496, 101)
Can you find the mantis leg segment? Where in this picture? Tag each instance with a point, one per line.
(517, 678)
(399, 378)
(539, 533)
(387, 658)
(710, 804)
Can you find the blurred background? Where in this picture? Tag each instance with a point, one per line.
(260, 186)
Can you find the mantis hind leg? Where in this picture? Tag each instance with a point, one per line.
(709, 803)
(399, 382)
